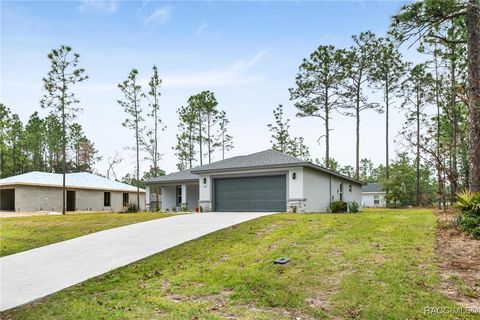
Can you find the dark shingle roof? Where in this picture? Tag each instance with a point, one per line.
(184, 175)
(267, 158)
(373, 187)
(261, 160)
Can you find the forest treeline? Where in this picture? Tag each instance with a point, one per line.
(438, 153)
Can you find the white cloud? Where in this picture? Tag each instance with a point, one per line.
(235, 74)
(201, 28)
(159, 16)
(103, 6)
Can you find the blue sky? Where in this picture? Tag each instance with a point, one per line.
(248, 53)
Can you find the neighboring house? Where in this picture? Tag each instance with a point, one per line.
(373, 195)
(42, 191)
(263, 181)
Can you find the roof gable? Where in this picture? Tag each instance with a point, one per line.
(259, 159)
(373, 187)
(184, 175)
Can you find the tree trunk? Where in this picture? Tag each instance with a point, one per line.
(200, 138)
(357, 150)
(64, 145)
(155, 143)
(453, 102)
(440, 189)
(387, 106)
(417, 201)
(138, 155)
(327, 131)
(223, 144)
(190, 145)
(64, 160)
(209, 139)
(473, 39)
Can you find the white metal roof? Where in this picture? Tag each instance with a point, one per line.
(81, 180)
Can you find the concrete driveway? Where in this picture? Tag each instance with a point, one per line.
(36, 273)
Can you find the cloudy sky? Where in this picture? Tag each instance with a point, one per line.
(248, 53)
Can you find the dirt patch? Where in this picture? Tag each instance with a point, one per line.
(269, 229)
(459, 260)
(321, 299)
(217, 299)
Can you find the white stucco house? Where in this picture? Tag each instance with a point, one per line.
(262, 181)
(373, 195)
(42, 191)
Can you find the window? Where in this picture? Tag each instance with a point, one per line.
(125, 199)
(376, 199)
(341, 191)
(179, 195)
(106, 199)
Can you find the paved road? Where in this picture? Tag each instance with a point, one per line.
(36, 273)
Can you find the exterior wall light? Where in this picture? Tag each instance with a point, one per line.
(294, 176)
(204, 180)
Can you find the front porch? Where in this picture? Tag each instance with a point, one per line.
(172, 197)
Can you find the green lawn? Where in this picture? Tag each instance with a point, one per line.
(24, 233)
(372, 265)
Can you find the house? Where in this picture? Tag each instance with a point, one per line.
(42, 191)
(373, 195)
(262, 181)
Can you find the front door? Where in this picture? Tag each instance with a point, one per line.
(70, 200)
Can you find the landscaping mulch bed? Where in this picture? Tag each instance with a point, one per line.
(459, 261)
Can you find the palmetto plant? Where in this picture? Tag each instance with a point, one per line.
(468, 201)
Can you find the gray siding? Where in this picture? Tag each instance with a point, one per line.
(316, 190)
(316, 186)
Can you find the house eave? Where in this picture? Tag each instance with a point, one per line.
(170, 182)
(278, 166)
(46, 185)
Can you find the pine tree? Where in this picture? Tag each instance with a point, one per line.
(318, 84)
(131, 105)
(59, 98)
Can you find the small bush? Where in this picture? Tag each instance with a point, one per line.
(132, 207)
(338, 206)
(468, 202)
(469, 217)
(353, 206)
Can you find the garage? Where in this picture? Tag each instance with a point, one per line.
(7, 199)
(263, 193)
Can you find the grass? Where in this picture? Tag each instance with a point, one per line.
(24, 233)
(372, 265)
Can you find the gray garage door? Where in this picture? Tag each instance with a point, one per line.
(251, 194)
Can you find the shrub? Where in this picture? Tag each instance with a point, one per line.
(132, 207)
(338, 206)
(353, 206)
(469, 222)
(468, 202)
(469, 217)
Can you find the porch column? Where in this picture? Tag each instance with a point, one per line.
(184, 196)
(147, 198)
